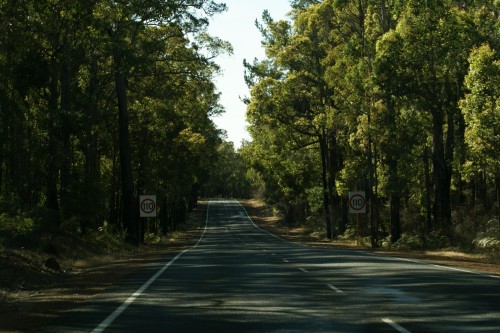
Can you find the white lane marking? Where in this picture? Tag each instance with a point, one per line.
(111, 318)
(450, 268)
(396, 326)
(270, 233)
(332, 287)
(285, 260)
(304, 270)
(274, 254)
(364, 252)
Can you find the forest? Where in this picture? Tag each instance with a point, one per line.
(396, 98)
(103, 101)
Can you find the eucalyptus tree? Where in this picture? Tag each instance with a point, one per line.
(228, 176)
(302, 99)
(423, 60)
(481, 109)
(42, 36)
(286, 167)
(17, 81)
(163, 29)
(61, 62)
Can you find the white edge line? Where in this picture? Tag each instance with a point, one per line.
(304, 270)
(270, 233)
(450, 268)
(332, 287)
(396, 326)
(111, 318)
(373, 254)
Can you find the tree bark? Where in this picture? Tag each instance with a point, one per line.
(442, 207)
(395, 198)
(91, 196)
(53, 149)
(324, 178)
(428, 192)
(130, 223)
(66, 131)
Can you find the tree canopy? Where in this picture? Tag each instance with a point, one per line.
(395, 98)
(102, 101)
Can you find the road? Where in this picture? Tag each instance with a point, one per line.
(239, 278)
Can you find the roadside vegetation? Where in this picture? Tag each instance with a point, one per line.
(399, 99)
(102, 101)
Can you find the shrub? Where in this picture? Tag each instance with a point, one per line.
(489, 239)
(408, 242)
(488, 243)
(16, 226)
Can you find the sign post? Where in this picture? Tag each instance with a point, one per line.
(148, 205)
(357, 205)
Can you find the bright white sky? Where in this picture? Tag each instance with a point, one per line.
(237, 26)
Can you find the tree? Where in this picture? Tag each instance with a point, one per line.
(63, 141)
(228, 177)
(481, 109)
(425, 59)
(129, 28)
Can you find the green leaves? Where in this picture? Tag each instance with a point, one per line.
(380, 84)
(481, 109)
(58, 64)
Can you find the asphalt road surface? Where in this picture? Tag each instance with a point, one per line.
(239, 278)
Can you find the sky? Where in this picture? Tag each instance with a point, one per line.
(237, 26)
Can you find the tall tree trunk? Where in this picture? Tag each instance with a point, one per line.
(442, 208)
(66, 131)
(91, 195)
(53, 148)
(333, 165)
(497, 190)
(393, 178)
(370, 193)
(130, 222)
(324, 178)
(428, 193)
(395, 198)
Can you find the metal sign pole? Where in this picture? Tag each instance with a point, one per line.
(357, 229)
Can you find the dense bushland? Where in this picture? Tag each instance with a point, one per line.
(399, 99)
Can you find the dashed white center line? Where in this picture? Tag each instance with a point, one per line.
(396, 326)
(285, 260)
(304, 270)
(332, 287)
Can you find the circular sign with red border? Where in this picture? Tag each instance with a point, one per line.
(148, 205)
(357, 202)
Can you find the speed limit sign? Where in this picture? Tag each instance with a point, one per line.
(148, 205)
(357, 202)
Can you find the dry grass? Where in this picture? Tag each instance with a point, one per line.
(31, 296)
(262, 215)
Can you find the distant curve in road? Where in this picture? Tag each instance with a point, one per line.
(240, 278)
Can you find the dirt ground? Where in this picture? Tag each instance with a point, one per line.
(265, 219)
(31, 296)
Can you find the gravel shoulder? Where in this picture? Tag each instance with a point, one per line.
(31, 296)
(265, 218)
